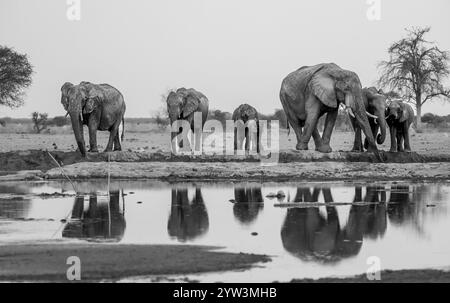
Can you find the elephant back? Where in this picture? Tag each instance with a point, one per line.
(245, 112)
(298, 81)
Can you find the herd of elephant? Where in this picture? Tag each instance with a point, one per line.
(306, 232)
(306, 94)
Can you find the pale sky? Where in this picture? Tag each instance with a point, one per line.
(234, 51)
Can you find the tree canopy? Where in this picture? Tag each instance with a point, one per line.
(15, 76)
(416, 69)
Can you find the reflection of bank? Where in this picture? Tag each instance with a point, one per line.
(248, 203)
(14, 205)
(97, 217)
(188, 219)
(312, 235)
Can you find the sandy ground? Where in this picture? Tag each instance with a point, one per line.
(160, 141)
(48, 262)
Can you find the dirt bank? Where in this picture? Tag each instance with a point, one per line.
(308, 165)
(186, 171)
(47, 262)
(40, 159)
(391, 276)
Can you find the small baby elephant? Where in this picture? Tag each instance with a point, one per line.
(246, 113)
(399, 117)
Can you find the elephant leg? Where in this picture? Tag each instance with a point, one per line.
(317, 138)
(197, 137)
(113, 132)
(393, 133)
(357, 143)
(374, 128)
(235, 140)
(326, 136)
(400, 141)
(406, 136)
(117, 145)
(247, 139)
(180, 141)
(295, 124)
(313, 108)
(257, 137)
(93, 126)
(173, 143)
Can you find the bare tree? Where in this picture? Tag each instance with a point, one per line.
(15, 76)
(39, 121)
(416, 69)
(162, 116)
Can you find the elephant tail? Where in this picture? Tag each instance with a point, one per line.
(123, 129)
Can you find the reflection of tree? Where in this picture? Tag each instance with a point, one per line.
(248, 203)
(313, 236)
(407, 205)
(99, 220)
(188, 219)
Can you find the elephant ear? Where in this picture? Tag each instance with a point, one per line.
(64, 92)
(91, 104)
(94, 95)
(323, 87)
(405, 113)
(190, 105)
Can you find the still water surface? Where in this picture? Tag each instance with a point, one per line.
(404, 225)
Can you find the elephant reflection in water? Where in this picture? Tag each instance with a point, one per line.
(188, 219)
(400, 208)
(248, 203)
(99, 221)
(313, 236)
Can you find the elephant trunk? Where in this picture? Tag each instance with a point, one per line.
(383, 127)
(77, 127)
(356, 103)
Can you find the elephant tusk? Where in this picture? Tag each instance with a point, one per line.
(371, 116)
(350, 112)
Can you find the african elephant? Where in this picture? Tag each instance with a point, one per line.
(375, 105)
(182, 105)
(311, 91)
(248, 203)
(99, 220)
(188, 219)
(399, 117)
(100, 107)
(245, 113)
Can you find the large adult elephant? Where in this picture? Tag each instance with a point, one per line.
(246, 113)
(312, 91)
(182, 105)
(100, 107)
(375, 105)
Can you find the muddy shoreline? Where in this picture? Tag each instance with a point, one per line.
(111, 262)
(292, 165)
(312, 171)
